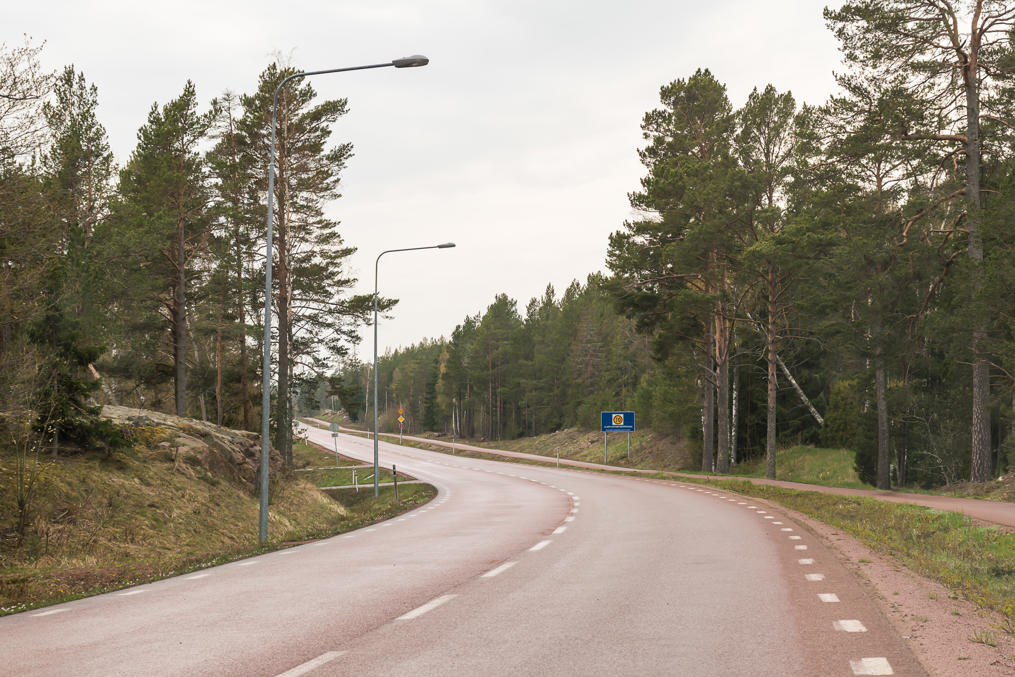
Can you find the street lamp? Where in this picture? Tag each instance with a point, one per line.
(446, 245)
(406, 62)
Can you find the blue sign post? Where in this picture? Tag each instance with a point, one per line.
(617, 421)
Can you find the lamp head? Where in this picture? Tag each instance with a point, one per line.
(413, 61)
(446, 245)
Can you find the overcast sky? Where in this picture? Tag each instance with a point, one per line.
(518, 142)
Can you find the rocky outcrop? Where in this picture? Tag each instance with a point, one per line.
(223, 453)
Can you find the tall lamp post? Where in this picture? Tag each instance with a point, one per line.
(407, 62)
(446, 245)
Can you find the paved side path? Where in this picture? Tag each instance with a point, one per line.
(995, 512)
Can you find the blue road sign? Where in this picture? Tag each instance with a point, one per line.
(618, 421)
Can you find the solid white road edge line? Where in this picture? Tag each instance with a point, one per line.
(429, 606)
(310, 665)
(48, 613)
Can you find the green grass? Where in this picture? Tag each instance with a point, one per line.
(809, 465)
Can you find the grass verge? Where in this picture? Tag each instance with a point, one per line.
(100, 524)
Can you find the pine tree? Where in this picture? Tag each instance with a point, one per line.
(673, 269)
(949, 58)
(164, 201)
(233, 245)
(316, 319)
(78, 167)
(765, 149)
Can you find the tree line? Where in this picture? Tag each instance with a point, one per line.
(837, 274)
(143, 284)
(504, 373)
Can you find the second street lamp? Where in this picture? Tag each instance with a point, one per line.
(406, 62)
(446, 245)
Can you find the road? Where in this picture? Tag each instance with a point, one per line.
(511, 570)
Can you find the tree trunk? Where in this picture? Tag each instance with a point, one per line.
(884, 480)
(244, 383)
(180, 321)
(770, 338)
(282, 437)
(735, 419)
(974, 218)
(722, 464)
(218, 372)
(708, 403)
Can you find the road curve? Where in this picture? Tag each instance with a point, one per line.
(511, 570)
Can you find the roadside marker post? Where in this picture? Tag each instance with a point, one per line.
(394, 474)
(334, 438)
(616, 421)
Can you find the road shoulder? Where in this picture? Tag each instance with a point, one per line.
(938, 629)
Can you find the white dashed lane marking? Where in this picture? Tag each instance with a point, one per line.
(849, 626)
(806, 561)
(429, 606)
(871, 666)
(559, 530)
(311, 665)
(499, 570)
(539, 546)
(814, 578)
(828, 597)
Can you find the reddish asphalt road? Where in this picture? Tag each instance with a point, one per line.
(512, 570)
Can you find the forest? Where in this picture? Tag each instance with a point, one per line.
(837, 274)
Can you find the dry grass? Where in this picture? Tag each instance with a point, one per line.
(158, 510)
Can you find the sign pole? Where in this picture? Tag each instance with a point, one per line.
(604, 448)
(629, 446)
